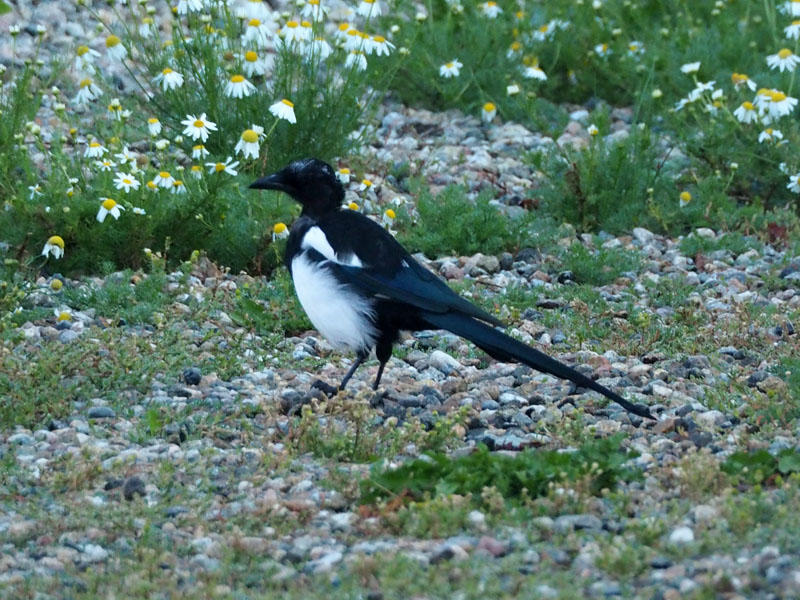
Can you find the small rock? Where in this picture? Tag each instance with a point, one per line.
(681, 535)
(494, 547)
(443, 362)
(566, 523)
(133, 486)
(93, 553)
(192, 375)
(101, 412)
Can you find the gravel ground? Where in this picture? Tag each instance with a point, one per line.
(218, 482)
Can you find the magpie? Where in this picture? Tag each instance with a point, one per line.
(360, 288)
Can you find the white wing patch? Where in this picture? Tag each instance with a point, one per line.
(315, 238)
(342, 316)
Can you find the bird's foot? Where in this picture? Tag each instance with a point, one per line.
(326, 388)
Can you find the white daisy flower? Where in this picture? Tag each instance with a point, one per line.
(178, 187)
(784, 60)
(186, 6)
(318, 47)
(279, 232)
(87, 92)
(84, 59)
(356, 58)
(450, 69)
(138, 211)
(199, 152)
(381, 46)
(488, 112)
(770, 135)
(239, 87)
(126, 182)
(254, 9)
(115, 48)
(54, 246)
(153, 126)
(256, 32)
(792, 31)
(284, 109)
(228, 167)
(689, 68)
(369, 8)
(198, 127)
(534, 72)
(163, 179)
(169, 79)
(253, 64)
(248, 144)
(746, 113)
(794, 183)
(95, 150)
(490, 9)
(109, 207)
(791, 8)
(314, 9)
(105, 165)
(343, 175)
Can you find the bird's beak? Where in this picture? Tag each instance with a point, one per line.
(272, 182)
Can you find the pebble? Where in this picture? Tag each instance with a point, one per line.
(681, 535)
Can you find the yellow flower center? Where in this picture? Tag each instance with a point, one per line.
(152, 185)
(489, 107)
(127, 181)
(198, 123)
(177, 183)
(313, 2)
(82, 50)
(768, 131)
(64, 316)
(152, 120)
(305, 24)
(94, 144)
(292, 24)
(164, 175)
(449, 65)
(778, 96)
(109, 203)
(250, 56)
(352, 206)
(254, 23)
(379, 39)
(685, 196)
(390, 213)
(366, 182)
(250, 136)
(288, 103)
(198, 168)
(219, 167)
(344, 26)
(279, 228)
(86, 82)
(344, 171)
(543, 29)
(748, 105)
(237, 79)
(166, 71)
(56, 240)
(112, 41)
(784, 53)
(515, 46)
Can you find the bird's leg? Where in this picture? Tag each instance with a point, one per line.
(383, 350)
(360, 357)
(378, 376)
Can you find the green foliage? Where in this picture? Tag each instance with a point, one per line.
(120, 298)
(347, 432)
(758, 466)
(526, 475)
(209, 207)
(269, 306)
(451, 222)
(735, 243)
(599, 266)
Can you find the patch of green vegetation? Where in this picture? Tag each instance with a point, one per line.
(345, 431)
(119, 298)
(526, 475)
(450, 222)
(599, 266)
(759, 466)
(734, 242)
(269, 306)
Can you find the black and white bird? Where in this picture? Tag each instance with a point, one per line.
(361, 288)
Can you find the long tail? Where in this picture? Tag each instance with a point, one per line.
(507, 349)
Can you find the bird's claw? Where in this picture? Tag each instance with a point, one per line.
(326, 388)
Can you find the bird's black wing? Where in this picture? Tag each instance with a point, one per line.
(388, 270)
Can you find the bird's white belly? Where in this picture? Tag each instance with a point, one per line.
(342, 316)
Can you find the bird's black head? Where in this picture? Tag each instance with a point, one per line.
(310, 181)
